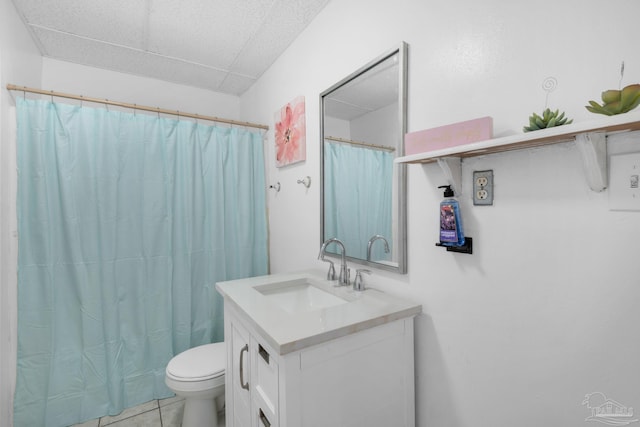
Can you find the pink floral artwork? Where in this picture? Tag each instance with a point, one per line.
(291, 132)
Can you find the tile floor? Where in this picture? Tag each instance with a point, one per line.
(157, 413)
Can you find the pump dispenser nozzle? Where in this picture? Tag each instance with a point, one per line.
(448, 192)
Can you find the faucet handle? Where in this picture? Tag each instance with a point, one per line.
(358, 283)
(331, 274)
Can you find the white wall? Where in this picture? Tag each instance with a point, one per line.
(20, 63)
(93, 82)
(546, 309)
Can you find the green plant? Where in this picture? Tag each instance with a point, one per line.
(548, 119)
(617, 101)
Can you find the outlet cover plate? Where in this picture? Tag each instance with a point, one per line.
(483, 187)
(624, 185)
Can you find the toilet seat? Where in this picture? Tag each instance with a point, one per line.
(201, 363)
(197, 375)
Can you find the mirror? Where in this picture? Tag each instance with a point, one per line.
(363, 194)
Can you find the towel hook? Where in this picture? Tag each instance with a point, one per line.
(306, 181)
(276, 186)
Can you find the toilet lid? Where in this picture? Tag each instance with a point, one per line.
(199, 363)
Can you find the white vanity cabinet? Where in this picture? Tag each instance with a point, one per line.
(320, 368)
(252, 392)
(362, 379)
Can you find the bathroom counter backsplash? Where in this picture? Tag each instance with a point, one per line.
(288, 330)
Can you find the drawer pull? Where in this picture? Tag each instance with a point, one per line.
(242, 383)
(263, 353)
(264, 420)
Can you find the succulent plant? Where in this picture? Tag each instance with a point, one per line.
(548, 119)
(617, 101)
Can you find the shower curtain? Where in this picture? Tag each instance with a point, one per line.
(358, 193)
(126, 222)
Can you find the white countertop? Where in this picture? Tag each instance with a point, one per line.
(290, 331)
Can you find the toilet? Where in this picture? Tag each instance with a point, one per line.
(197, 375)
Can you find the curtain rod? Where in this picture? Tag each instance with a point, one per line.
(134, 106)
(365, 144)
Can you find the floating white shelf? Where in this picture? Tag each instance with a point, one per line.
(590, 137)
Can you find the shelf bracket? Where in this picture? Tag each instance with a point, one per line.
(467, 248)
(452, 168)
(593, 148)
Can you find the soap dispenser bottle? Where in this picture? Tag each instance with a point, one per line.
(451, 233)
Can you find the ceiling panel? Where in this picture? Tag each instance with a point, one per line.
(234, 83)
(271, 40)
(205, 32)
(111, 57)
(114, 21)
(222, 45)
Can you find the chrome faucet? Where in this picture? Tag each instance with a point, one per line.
(344, 271)
(370, 244)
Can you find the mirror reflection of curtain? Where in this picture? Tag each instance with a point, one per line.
(358, 199)
(126, 222)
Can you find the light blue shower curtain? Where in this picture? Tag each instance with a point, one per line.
(126, 222)
(358, 197)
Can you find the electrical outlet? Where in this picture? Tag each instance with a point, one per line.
(483, 187)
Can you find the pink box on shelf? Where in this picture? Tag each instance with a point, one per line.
(448, 136)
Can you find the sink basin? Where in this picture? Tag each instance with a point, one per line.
(299, 295)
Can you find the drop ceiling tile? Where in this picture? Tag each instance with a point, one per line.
(96, 54)
(206, 32)
(271, 40)
(184, 73)
(114, 21)
(236, 84)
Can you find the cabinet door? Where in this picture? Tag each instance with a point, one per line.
(239, 377)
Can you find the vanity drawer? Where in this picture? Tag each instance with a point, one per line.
(265, 378)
